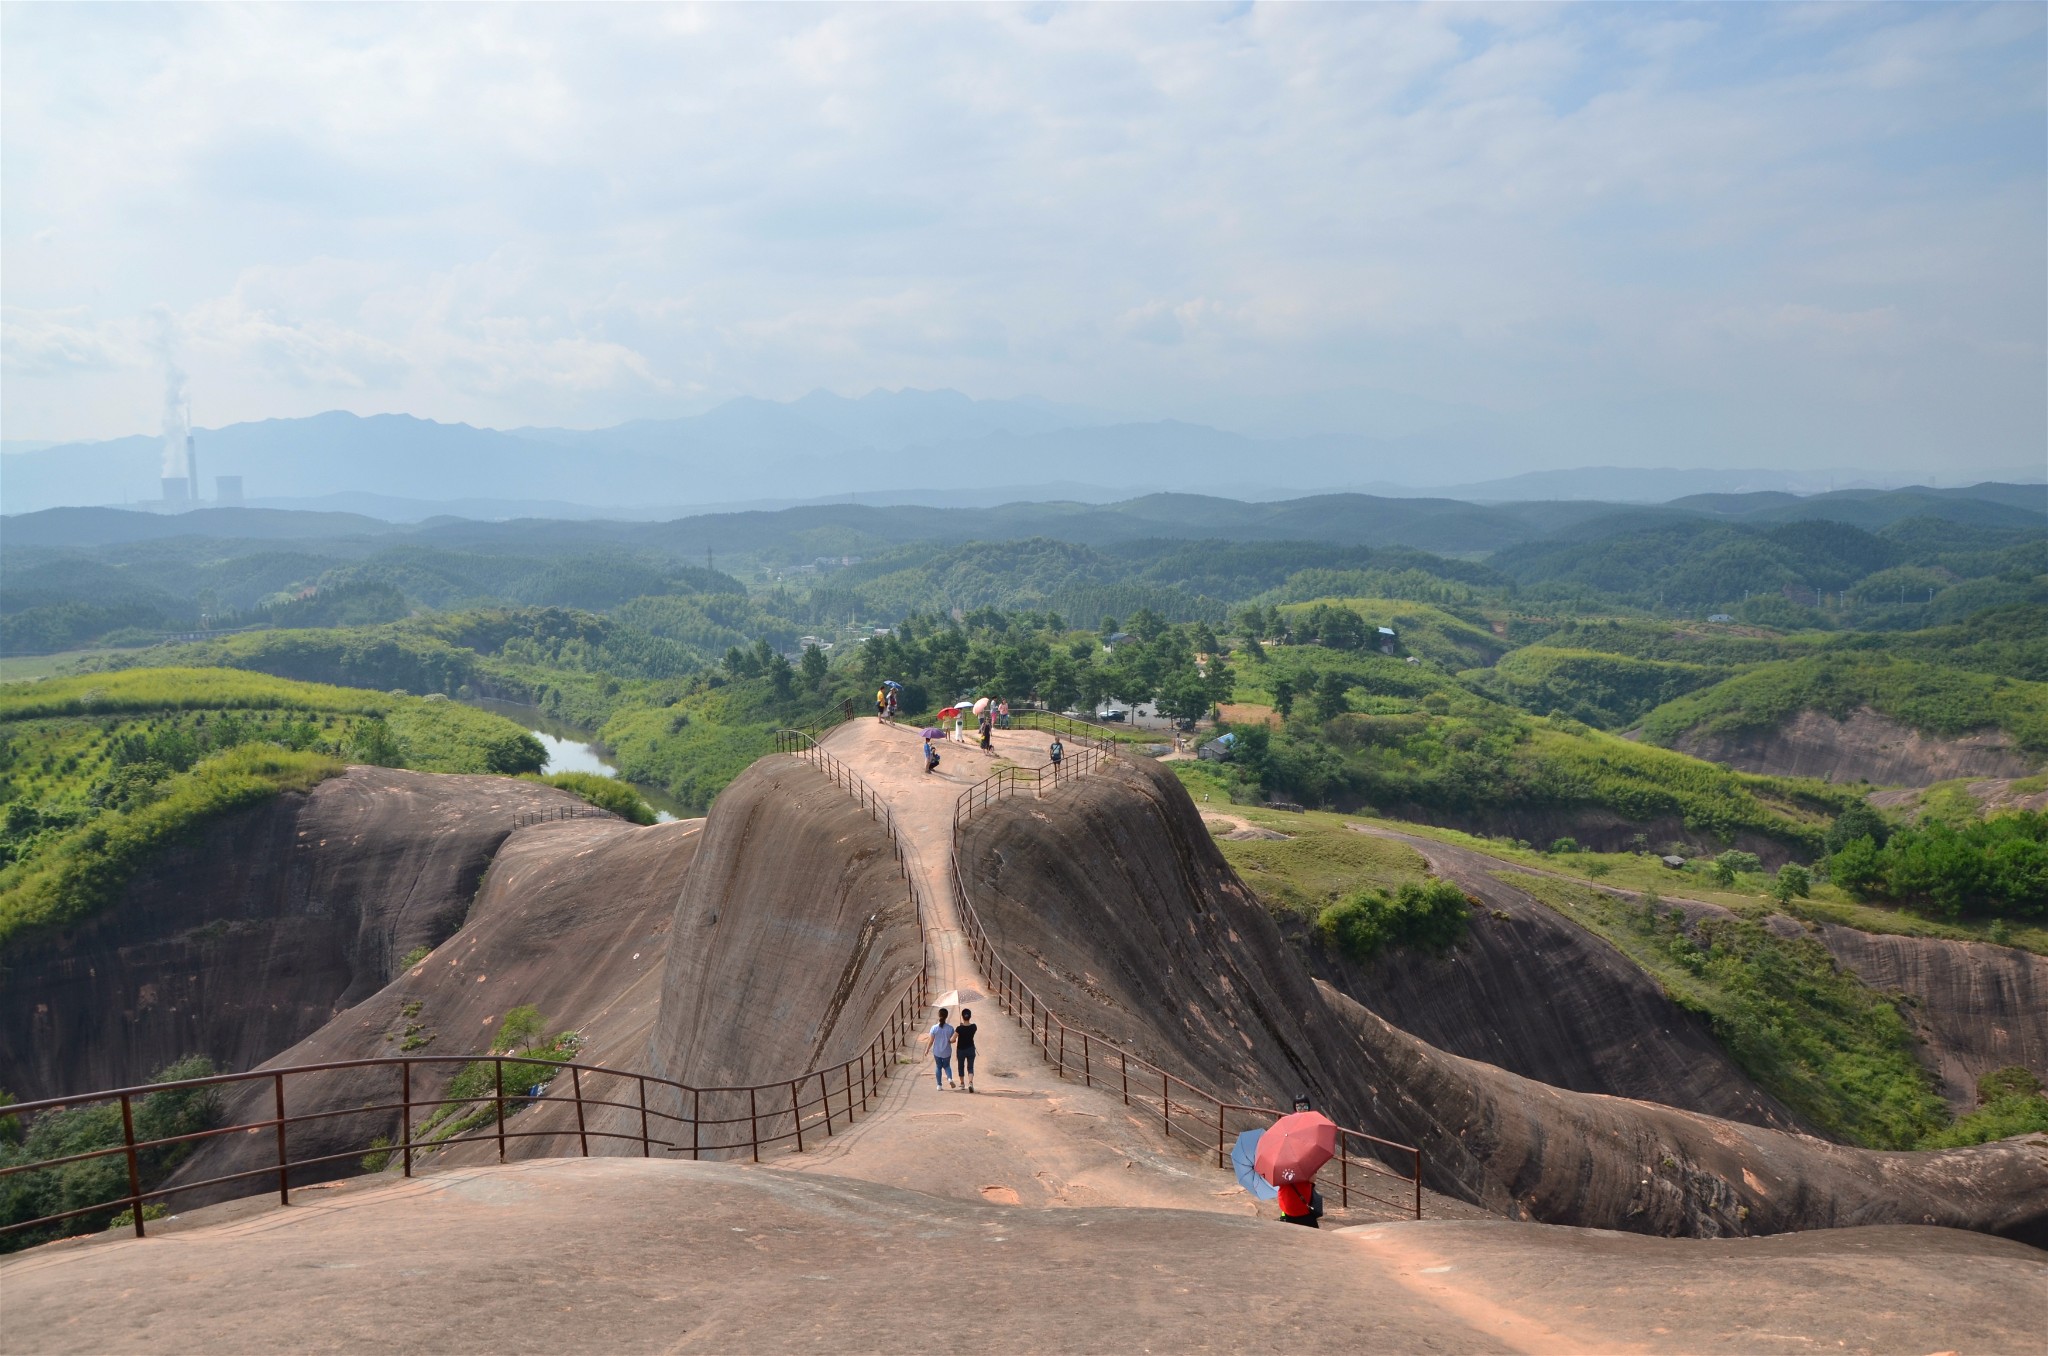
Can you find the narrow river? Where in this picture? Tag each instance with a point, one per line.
(569, 751)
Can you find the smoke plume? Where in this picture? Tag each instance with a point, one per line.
(177, 419)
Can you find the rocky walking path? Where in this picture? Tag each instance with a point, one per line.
(1026, 1136)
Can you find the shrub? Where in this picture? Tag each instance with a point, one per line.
(1732, 863)
(379, 1157)
(1431, 916)
(1564, 845)
(2009, 1102)
(606, 793)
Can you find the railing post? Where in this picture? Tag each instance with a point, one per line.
(1417, 1151)
(1343, 1166)
(1166, 1106)
(405, 1112)
(134, 1168)
(1219, 1134)
(646, 1145)
(1087, 1071)
(499, 1087)
(753, 1125)
(284, 1193)
(1124, 1061)
(1063, 1049)
(576, 1087)
(796, 1111)
(696, 1119)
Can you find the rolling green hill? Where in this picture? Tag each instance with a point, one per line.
(1930, 697)
(98, 771)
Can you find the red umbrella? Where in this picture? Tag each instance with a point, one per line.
(949, 713)
(1296, 1147)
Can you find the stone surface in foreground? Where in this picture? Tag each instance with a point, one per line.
(632, 1255)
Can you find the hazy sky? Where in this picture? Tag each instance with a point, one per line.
(1802, 235)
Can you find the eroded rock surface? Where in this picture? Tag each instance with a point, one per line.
(255, 934)
(793, 937)
(572, 919)
(1113, 899)
(1864, 747)
(1535, 994)
(1975, 1007)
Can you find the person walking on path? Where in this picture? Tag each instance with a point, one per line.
(940, 1038)
(1003, 713)
(987, 728)
(931, 757)
(881, 703)
(963, 1047)
(1057, 752)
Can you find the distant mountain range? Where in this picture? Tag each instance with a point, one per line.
(937, 448)
(1444, 526)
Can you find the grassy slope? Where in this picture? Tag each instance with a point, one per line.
(75, 833)
(1426, 631)
(1808, 1031)
(1927, 696)
(1811, 1033)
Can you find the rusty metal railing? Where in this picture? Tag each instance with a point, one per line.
(557, 812)
(802, 744)
(1142, 1082)
(774, 1113)
(1015, 781)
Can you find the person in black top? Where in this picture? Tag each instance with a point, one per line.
(963, 1048)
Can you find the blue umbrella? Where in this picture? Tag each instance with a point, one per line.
(891, 682)
(1241, 1155)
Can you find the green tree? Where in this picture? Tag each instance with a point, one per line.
(1733, 863)
(1333, 698)
(1283, 696)
(522, 1028)
(814, 667)
(1857, 821)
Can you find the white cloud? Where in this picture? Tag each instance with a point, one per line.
(534, 214)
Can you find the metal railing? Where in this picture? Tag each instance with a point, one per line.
(553, 813)
(802, 744)
(1091, 733)
(774, 1113)
(1095, 1059)
(1015, 781)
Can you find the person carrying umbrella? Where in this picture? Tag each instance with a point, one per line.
(1289, 1155)
(931, 755)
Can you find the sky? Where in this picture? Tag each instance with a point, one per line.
(1807, 235)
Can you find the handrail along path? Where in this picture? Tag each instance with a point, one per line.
(1141, 1082)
